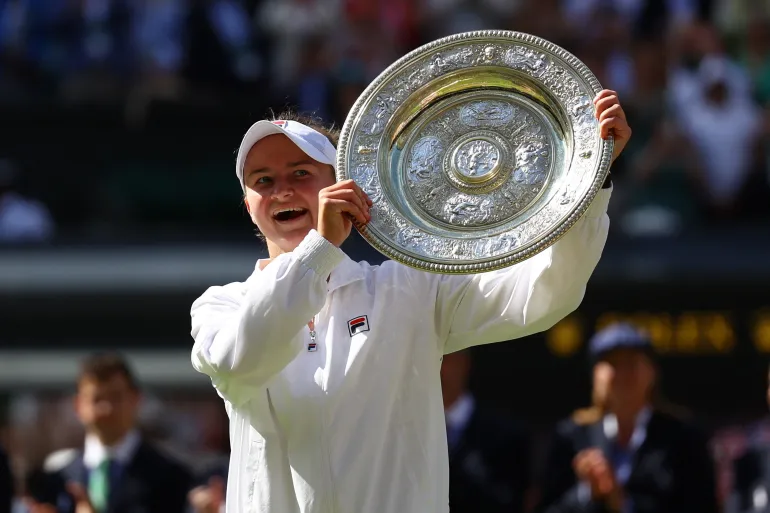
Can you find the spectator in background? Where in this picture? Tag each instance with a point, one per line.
(751, 476)
(116, 470)
(22, 220)
(209, 495)
(756, 57)
(724, 125)
(290, 23)
(626, 454)
(441, 18)
(6, 483)
(489, 458)
(546, 19)
(314, 88)
(688, 46)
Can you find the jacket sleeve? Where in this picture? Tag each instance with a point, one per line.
(247, 333)
(696, 487)
(525, 298)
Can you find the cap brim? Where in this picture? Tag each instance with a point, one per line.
(262, 129)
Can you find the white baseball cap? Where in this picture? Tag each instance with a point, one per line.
(316, 145)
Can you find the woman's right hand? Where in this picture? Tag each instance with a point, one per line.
(339, 206)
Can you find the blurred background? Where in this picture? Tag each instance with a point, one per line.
(119, 122)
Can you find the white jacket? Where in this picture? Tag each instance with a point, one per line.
(357, 426)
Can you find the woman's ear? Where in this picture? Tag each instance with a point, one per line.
(246, 203)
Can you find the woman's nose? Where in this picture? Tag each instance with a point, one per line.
(282, 190)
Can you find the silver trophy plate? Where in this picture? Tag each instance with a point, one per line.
(478, 151)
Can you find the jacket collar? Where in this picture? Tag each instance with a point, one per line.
(345, 273)
(94, 452)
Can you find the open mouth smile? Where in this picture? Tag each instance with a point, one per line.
(289, 214)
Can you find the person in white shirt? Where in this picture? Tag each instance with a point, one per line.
(329, 368)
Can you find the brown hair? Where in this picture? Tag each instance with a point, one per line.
(103, 366)
(316, 123)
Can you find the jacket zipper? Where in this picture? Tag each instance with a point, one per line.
(324, 437)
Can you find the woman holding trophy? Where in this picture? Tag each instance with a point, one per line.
(329, 368)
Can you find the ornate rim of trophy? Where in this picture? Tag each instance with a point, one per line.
(478, 150)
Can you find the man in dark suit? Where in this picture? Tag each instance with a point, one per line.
(626, 454)
(6, 484)
(116, 471)
(489, 458)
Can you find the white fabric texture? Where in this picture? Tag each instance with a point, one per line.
(358, 425)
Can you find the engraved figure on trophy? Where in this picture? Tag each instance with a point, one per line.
(582, 110)
(458, 250)
(477, 158)
(529, 129)
(424, 158)
(502, 244)
(521, 57)
(486, 113)
(415, 79)
(463, 57)
(493, 246)
(531, 161)
(439, 65)
(381, 113)
(462, 211)
(488, 56)
(434, 196)
(371, 184)
(410, 237)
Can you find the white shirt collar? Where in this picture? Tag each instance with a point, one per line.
(458, 415)
(95, 452)
(610, 425)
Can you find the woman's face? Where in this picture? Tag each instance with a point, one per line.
(282, 184)
(624, 378)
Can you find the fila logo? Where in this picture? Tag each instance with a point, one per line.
(358, 325)
(281, 123)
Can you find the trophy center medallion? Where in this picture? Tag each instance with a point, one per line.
(476, 160)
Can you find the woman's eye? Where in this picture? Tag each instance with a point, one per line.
(263, 180)
(301, 172)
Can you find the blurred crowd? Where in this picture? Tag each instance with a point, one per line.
(693, 75)
(113, 447)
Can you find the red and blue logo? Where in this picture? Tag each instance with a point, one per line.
(358, 325)
(281, 123)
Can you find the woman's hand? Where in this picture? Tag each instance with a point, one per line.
(339, 206)
(612, 120)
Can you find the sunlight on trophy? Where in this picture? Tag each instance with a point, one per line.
(478, 150)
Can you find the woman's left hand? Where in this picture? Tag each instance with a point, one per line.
(612, 120)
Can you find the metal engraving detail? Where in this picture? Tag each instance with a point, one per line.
(425, 157)
(472, 174)
(477, 158)
(486, 114)
(476, 178)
